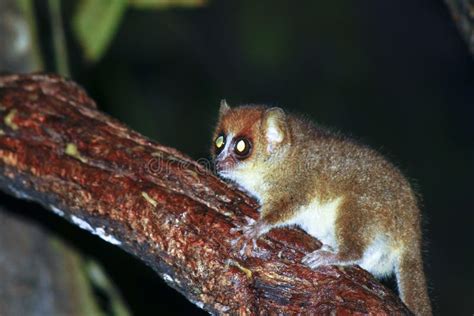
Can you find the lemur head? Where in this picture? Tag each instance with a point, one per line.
(248, 141)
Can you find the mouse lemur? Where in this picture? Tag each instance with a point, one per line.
(343, 193)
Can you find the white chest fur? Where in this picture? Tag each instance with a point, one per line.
(319, 220)
(247, 179)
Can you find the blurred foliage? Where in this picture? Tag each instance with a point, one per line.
(96, 22)
(105, 286)
(161, 4)
(59, 39)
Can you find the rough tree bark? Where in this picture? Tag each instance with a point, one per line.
(57, 149)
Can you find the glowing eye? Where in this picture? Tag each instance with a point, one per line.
(219, 143)
(242, 147)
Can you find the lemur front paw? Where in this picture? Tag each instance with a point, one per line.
(320, 257)
(247, 242)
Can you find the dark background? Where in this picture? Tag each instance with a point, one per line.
(394, 74)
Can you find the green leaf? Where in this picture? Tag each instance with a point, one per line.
(162, 4)
(95, 23)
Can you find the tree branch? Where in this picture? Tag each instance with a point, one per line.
(57, 149)
(462, 12)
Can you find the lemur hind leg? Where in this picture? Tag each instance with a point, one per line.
(350, 247)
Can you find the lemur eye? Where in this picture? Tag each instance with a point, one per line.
(242, 147)
(219, 143)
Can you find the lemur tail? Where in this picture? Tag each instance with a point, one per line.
(412, 283)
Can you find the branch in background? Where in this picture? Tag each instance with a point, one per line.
(39, 274)
(463, 14)
(57, 149)
(19, 49)
(59, 39)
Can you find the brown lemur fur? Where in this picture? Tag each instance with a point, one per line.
(343, 193)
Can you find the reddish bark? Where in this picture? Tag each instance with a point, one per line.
(57, 149)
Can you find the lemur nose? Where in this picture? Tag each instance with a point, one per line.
(224, 164)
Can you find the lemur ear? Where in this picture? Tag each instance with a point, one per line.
(224, 108)
(275, 127)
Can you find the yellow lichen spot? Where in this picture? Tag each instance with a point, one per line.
(71, 150)
(9, 120)
(149, 199)
(193, 175)
(247, 272)
(2, 132)
(157, 154)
